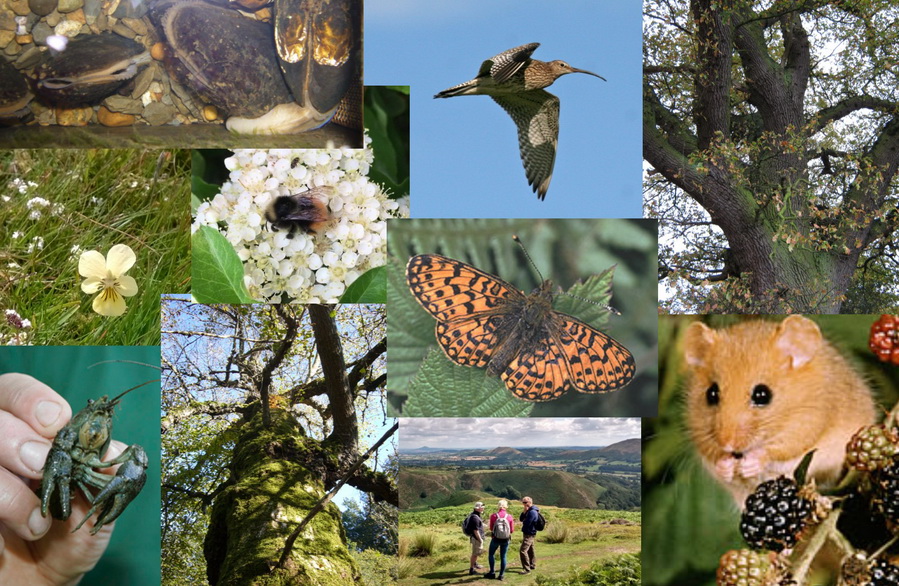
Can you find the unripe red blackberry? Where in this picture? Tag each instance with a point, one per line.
(774, 515)
(744, 567)
(872, 447)
(884, 338)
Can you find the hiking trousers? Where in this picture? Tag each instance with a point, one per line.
(526, 553)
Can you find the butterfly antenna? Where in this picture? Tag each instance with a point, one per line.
(608, 308)
(525, 251)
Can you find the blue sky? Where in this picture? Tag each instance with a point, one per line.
(465, 160)
(468, 432)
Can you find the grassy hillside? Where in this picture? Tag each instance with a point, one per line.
(434, 551)
(422, 488)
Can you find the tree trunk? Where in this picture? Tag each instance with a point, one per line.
(276, 478)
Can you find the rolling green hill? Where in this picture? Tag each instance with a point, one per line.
(424, 488)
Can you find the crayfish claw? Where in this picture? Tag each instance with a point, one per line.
(121, 489)
(56, 496)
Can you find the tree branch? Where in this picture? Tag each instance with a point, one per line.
(320, 505)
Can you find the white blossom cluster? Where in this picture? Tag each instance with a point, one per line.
(38, 204)
(307, 268)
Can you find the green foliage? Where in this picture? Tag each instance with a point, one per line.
(217, 272)
(621, 494)
(370, 287)
(426, 383)
(387, 122)
(371, 525)
(109, 197)
(509, 492)
(623, 570)
(377, 568)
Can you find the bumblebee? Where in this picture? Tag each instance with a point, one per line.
(303, 212)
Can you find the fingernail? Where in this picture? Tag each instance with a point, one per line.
(33, 455)
(47, 412)
(37, 523)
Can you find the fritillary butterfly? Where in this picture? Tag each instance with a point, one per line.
(538, 352)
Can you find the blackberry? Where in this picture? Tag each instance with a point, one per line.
(884, 338)
(886, 491)
(883, 573)
(775, 514)
(872, 447)
(744, 567)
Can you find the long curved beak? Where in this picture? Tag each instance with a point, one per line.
(576, 70)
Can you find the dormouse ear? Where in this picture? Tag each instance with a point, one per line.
(698, 341)
(799, 338)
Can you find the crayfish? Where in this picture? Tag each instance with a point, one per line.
(76, 452)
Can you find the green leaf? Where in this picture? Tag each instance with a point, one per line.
(370, 287)
(194, 204)
(387, 121)
(443, 389)
(202, 190)
(693, 522)
(216, 270)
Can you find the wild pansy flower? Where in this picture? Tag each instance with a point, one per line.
(107, 277)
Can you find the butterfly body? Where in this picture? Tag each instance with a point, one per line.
(539, 353)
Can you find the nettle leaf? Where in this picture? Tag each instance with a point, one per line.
(216, 270)
(410, 331)
(443, 389)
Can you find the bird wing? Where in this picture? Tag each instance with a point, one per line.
(536, 114)
(503, 66)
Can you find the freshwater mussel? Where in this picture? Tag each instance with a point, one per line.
(14, 93)
(279, 78)
(88, 69)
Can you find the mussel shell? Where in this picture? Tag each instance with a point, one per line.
(14, 91)
(319, 46)
(226, 58)
(89, 69)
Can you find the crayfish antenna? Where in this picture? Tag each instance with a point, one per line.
(115, 400)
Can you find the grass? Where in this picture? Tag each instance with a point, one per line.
(134, 197)
(580, 538)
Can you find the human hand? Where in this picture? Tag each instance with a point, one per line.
(33, 549)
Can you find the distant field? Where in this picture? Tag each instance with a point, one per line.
(433, 549)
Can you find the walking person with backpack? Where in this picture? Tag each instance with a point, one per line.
(473, 526)
(531, 522)
(501, 527)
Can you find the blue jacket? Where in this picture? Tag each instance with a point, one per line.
(528, 519)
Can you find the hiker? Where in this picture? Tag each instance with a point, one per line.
(475, 528)
(528, 520)
(501, 524)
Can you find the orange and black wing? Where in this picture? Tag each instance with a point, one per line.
(467, 303)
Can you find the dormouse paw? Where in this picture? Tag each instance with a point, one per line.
(751, 465)
(725, 468)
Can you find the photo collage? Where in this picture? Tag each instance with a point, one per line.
(576, 293)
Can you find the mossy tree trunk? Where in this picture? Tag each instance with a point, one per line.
(275, 481)
(263, 478)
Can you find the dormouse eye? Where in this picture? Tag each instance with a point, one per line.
(712, 395)
(761, 395)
